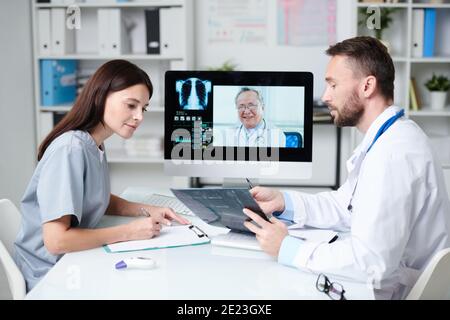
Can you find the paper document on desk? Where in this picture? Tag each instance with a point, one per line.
(170, 237)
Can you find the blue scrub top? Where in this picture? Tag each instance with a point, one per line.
(72, 178)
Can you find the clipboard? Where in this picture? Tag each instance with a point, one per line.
(170, 237)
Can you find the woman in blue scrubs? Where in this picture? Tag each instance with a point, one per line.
(70, 189)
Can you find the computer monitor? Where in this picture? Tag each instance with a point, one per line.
(238, 124)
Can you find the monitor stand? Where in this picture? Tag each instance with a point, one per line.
(238, 183)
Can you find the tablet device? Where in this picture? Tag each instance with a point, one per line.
(222, 205)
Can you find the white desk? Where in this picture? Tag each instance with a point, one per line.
(194, 272)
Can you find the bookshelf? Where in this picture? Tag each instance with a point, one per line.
(436, 123)
(126, 168)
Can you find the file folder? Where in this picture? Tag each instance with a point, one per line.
(152, 31)
(58, 82)
(112, 39)
(103, 25)
(62, 37)
(170, 237)
(171, 41)
(429, 32)
(418, 17)
(44, 37)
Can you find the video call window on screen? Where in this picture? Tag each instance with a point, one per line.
(258, 116)
(215, 111)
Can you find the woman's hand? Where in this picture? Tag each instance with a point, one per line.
(165, 215)
(144, 228)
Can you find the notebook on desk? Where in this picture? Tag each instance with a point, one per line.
(170, 237)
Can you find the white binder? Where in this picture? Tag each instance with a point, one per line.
(103, 37)
(112, 38)
(45, 124)
(117, 33)
(170, 33)
(418, 18)
(44, 44)
(62, 37)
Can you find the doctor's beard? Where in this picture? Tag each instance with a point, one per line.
(350, 113)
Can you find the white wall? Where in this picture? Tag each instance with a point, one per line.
(270, 57)
(17, 133)
(17, 147)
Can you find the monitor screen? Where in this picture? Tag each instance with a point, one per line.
(241, 118)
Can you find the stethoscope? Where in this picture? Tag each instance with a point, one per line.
(259, 137)
(382, 130)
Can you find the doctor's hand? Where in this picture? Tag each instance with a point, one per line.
(270, 200)
(166, 215)
(270, 235)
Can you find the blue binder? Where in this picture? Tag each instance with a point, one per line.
(429, 32)
(58, 82)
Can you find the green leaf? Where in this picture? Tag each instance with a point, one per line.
(438, 83)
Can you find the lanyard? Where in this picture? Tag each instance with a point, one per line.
(382, 130)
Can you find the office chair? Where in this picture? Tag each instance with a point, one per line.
(293, 139)
(9, 228)
(434, 282)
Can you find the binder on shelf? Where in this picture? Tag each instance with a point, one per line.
(117, 32)
(152, 31)
(170, 237)
(44, 35)
(413, 96)
(103, 37)
(429, 32)
(45, 124)
(112, 37)
(171, 41)
(58, 82)
(418, 18)
(62, 37)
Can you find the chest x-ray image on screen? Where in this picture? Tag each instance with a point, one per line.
(193, 93)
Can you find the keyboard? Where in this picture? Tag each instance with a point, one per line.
(160, 200)
(237, 240)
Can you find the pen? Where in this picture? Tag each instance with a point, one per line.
(249, 183)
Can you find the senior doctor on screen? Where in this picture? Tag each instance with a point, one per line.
(254, 130)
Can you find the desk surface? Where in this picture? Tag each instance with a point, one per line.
(194, 272)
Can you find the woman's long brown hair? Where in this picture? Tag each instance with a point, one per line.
(89, 107)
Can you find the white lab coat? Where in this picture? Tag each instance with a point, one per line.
(265, 135)
(400, 217)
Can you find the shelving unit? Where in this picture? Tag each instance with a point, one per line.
(126, 168)
(399, 35)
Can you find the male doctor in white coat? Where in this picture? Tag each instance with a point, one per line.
(253, 130)
(394, 204)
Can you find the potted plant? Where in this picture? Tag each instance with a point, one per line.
(228, 65)
(438, 87)
(384, 23)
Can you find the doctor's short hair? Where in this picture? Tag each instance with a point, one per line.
(368, 56)
(247, 89)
